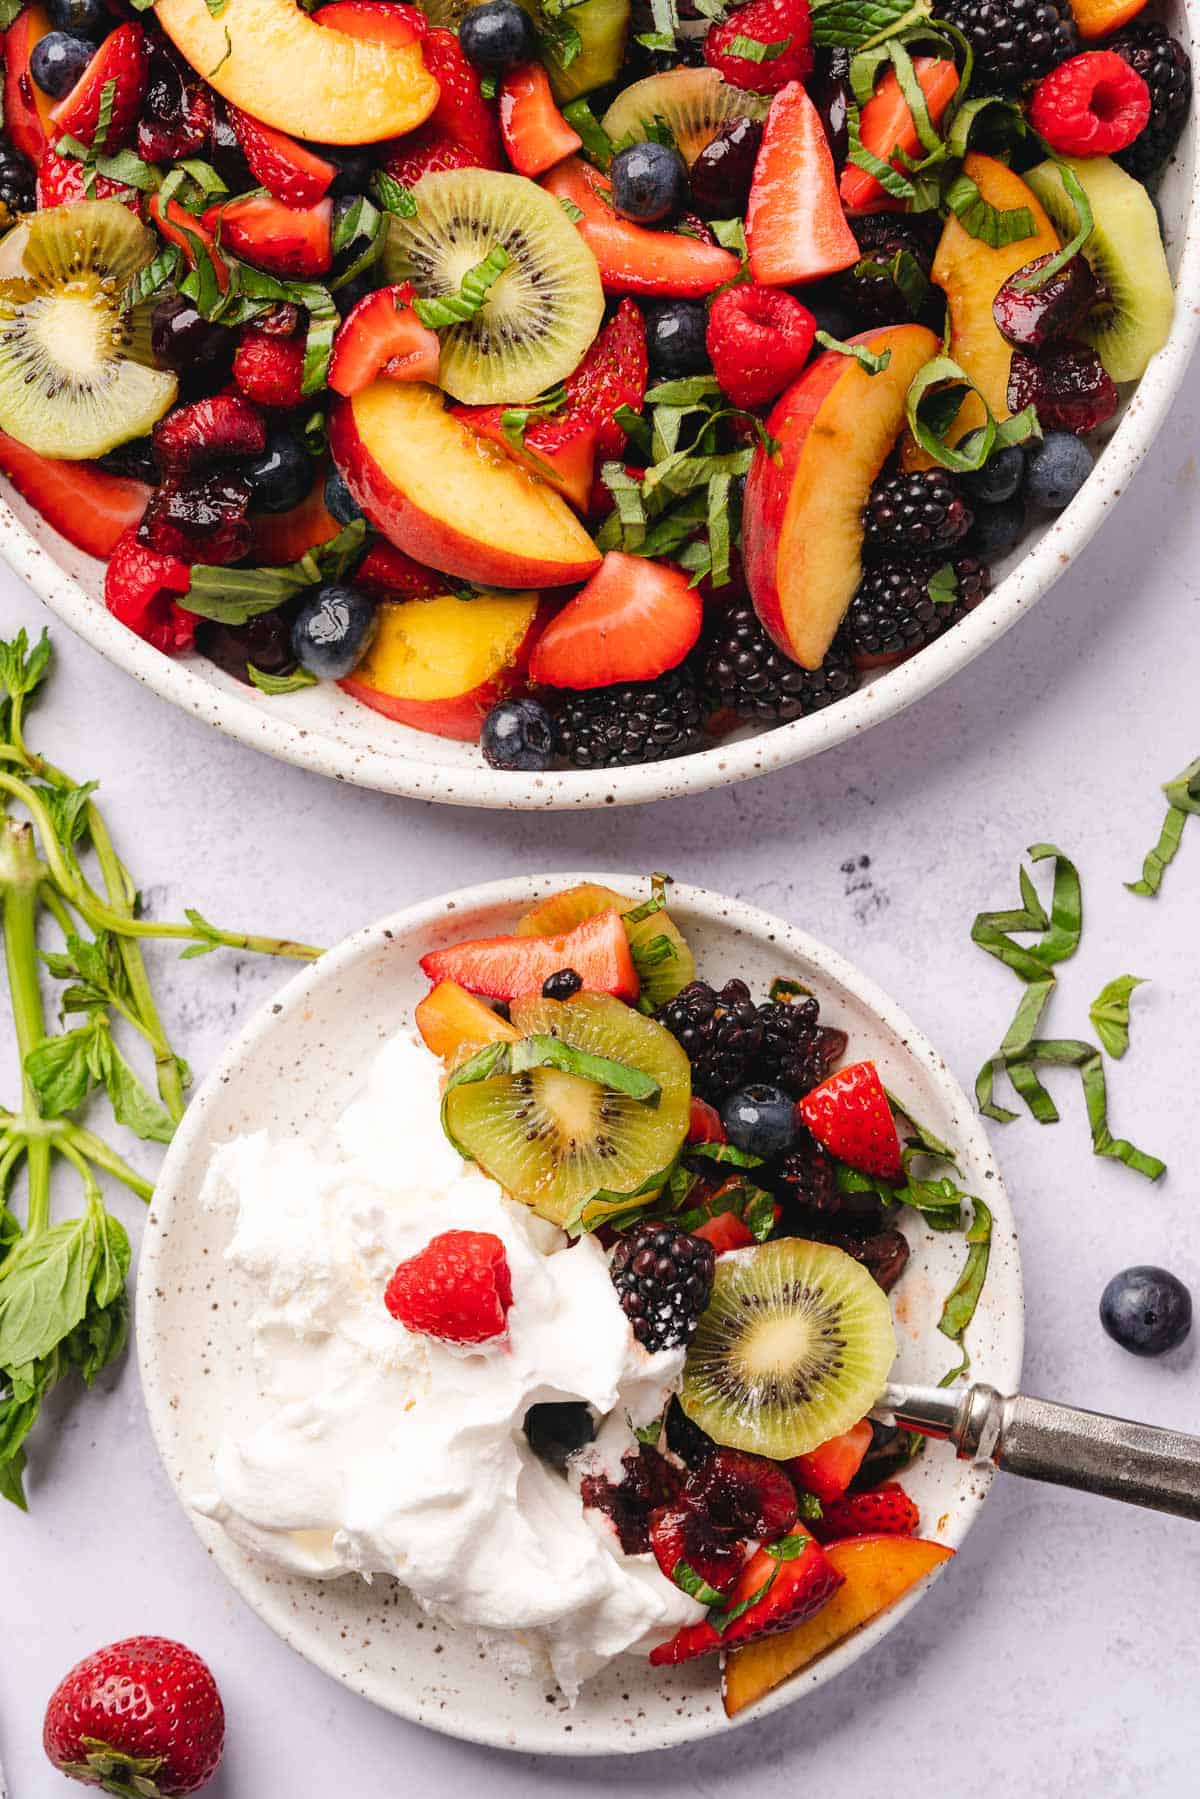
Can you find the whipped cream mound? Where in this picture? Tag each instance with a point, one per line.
(371, 1450)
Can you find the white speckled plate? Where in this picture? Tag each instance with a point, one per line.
(324, 730)
(293, 1069)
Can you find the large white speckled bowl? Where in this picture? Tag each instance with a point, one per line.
(293, 1069)
(322, 729)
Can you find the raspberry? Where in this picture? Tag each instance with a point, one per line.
(413, 158)
(458, 1288)
(758, 338)
(206, 431)
(767, 22)
(269, 369)
(139, 586)
(386, 573)
(1093, 105)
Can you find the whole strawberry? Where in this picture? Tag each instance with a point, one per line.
(142, 1719)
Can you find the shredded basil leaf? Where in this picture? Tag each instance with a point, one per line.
(1183, 802)
(477, 283)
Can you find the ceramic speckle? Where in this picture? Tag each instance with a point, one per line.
(323, 730)
(293, 1069)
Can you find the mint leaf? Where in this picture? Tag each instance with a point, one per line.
(753, 50)
(235, 595)
(856, 24)
(392, 195)
(277, 684)
(44, 1289)
(1109, 1013)
(23, 670)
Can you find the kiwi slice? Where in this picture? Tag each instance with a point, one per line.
(542, 312)
(1133, 320)
(553, 1139)
(77, 375)
(795, 1346)
(603, 27)
(692, 103)
(663, 971)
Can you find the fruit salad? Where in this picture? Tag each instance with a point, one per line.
(589, 1367)
(586, 380)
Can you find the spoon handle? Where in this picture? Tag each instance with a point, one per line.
(1141, 1464)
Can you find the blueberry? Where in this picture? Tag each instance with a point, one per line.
(1056, 470)
(135, 460)
(332, 629)
(675, 338)
(518, 734)
(1146, 1310)
(649, 183)
(997, 529)
(280, 476)
(346, 297)
(82, 18)
(557, 1428)
(58, 60)
(354, 165)
(339, 501)
(832, 314)
(1000, 476)
(760, 1119)
(497, 36)
(564, 983)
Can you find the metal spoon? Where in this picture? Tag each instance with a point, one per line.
(1142, 1464)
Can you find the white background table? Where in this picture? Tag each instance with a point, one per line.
(1060, 1653)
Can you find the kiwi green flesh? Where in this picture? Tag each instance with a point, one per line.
(542, 312)
(76, 374)
(795, 1347)
(603, 27)
(693, 103)
(661, 979)
(551, 1139)
(1126, 252)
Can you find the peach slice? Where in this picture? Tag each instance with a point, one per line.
(26, 107)
(449, 497)
(802, 517)
(1097, 18)
(877, 1572)
(451, 1020)
(440, 665)
(971, 274)
(276, 63)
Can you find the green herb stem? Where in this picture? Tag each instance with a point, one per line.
(21, 879)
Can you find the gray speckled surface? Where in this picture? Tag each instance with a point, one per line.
(1062, 1656)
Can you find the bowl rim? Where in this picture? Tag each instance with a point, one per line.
(247, 717)
(724, 914)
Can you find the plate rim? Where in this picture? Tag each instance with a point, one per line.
(723, 913)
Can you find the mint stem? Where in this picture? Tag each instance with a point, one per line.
(20, 877)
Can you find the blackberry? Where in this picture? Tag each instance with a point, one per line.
(1015, 41)
(16, 183)
(639, 721)
(804, 1179)
(745, 673)
(894, 610)
(797, 1052)
(915, 515)
(1164, 65)
(869, 288)
(692, 1445)
(663, 1279)
(720, 1033)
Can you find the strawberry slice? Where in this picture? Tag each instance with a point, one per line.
(386, 573)
(887, 128)
(88, 507)
(885, 1511)
(27, 110)
(725, 1232)
(535, 134)
(293, 241)
(382, 334)
(282, 537)
(849, 1114)
(60, 180)
(635, 619)
(633, 258)
(508, 967)
(379, 20)
(181, 227)
(562, 452)
(425, 153)
(704, 1123)
(141, 588)
(779, 1588)
(795, 228)
(612, 374)
(778, 25)
(291, 171)
(124, 59)
(827, 1471)
(461, 113)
